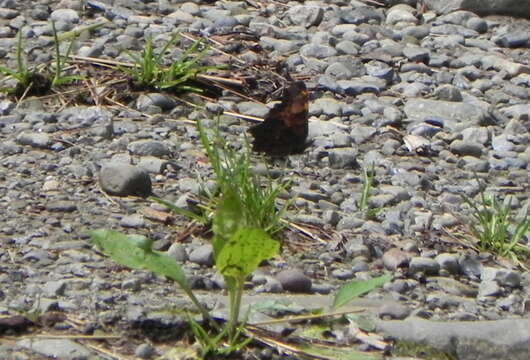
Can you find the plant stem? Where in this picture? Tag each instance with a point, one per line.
(58, 64)
(235, 305)
(204, 313)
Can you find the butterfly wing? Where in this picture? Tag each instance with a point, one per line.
(284, 130)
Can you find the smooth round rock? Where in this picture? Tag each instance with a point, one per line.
(202, 255)
(425, 265)
(125, 180)
(393, 311)
(294, 280)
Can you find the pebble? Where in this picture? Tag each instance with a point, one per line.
(424, 265)
(294, 280)
(37, 140)
(124, 180)
(395, 258)
(448, 262)
(393, 311)
(144, 351)
(178, 252)
(202, 255)
(148, 148)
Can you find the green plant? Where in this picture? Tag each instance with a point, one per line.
(22, 74)
(27, 81)
(60, 61)
(149, 68)
(368, 184)
(233, 168)
(496, 228)
(135, 252)
(34, 82)
(357, 288)
(238, 250)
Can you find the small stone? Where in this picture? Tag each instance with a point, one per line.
(162, 101)
(395, 258)
(455, 287)
(294, 280)
(65, 15)
(306, 16)
(464, 148)
(416, 54)
(61, 206)
(144, 351)
(448, 262)
(55, 288)
(343, 274)
(342, 158)
(34, 139)
(318, 51)
(253, 109)
(425, 265)
(503, 277)
(400, 14)
(470, 266)
(51, 185)
(448, 93)
(132, 221)
(148, 148)
(513, 39)
(478, 24)
(202, 255)
(489, 288)
(131, 284)
(177, 252)
(123, 180)
(393, 311)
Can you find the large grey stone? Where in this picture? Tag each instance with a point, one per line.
(482, 7)
(466, 340)
(124, 180)
(56, 348)
(456, 116)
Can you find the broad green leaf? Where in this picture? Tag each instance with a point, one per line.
(127, 250)
(228, 218)
(244, 251)
(354, 289)
(134, 251)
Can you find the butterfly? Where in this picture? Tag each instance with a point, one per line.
(284, 130)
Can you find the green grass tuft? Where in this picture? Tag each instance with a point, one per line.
(496, 228)
(149, 68)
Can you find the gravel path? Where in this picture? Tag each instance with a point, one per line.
(433, 102)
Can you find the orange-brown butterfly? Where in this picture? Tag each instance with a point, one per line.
(284, 130)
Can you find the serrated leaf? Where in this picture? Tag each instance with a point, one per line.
(228, 218)
(244, 251)
(356, 288)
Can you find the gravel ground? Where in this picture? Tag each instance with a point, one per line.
(431, 102)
